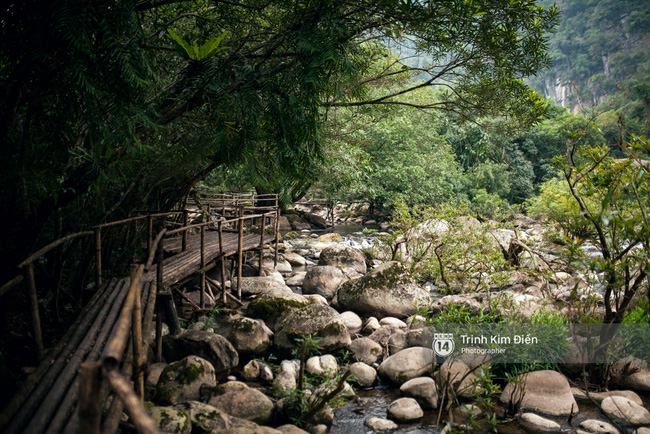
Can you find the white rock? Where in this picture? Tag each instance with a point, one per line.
(405, 410)
(409, 363)
(378, 424)
(423, 389)
(539, 422)
(599, 427)
(365, 375)
(625, 410)
(352, 321)
(393, 322)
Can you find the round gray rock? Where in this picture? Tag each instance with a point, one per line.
(377, 424)
(407, 364)
(532, 420)
(405, 410)
(344, 256)
(323, 280)
(366, 350)
(317, 319)
(363, 374)
(388, 290)
(239, 400)
(546, 392)
(423, 389)
(181, 381)
(625, 410)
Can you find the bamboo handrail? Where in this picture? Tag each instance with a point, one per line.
(52, 245)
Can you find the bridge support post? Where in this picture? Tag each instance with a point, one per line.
(262, 242)
(98, 258)
(36, 317)
(240, 254)
(202, 301)
(90, 403)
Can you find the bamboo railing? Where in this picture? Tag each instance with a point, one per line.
(114, 318)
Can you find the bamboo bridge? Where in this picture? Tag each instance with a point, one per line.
(104, 352)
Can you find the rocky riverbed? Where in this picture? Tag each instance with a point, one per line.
(238, 369)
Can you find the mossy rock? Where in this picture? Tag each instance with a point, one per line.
(182, 380)
(315, 319)
(271, 306)
(171, 420)
(388, 290)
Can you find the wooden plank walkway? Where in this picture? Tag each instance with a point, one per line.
(184, 264)
(48, 400)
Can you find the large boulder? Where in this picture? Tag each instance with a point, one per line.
(324, 280)
(203, 343)
(272, 305)
(170, 419)
(318, 319)
(423, 389)
(206, 418)
(182, 380)
(260, 285)
(344, 256)
(363, 374)
(249, 336)
(546, 392)
(407, 364)
(625, 411)
(239, 400)
(405, 410)
(388, 290)
(366, 350)
(457, 376)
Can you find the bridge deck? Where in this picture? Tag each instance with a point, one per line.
(48, 400)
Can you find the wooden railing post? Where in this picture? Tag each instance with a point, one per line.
(136, 323)
(222, 260)
(277, 234)
(202, 302)
(36, 318)
(240, 248)
(90, 403)
(98, 258)
(159, 265)
(262, 243)
(184, 236)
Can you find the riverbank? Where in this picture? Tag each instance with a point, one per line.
(360, 313)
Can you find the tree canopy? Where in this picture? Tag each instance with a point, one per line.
(109, 107)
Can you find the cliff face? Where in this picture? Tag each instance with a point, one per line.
(600, 48)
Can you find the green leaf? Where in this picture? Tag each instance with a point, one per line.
(181, 45)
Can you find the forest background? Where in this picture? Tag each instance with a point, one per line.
(110, 108)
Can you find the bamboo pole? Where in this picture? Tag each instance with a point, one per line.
(36, 318)
(232, 297)
(134, 407)
(116, 345)
(184, 236)
(20, 409)
(186, 298)
(222, 260)
(202, 299)
(240, 248)
(136, 323)
(90, 404)
(52, 413)
(262, 244)
(158, 329)
(98, 258)
(277, 234)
